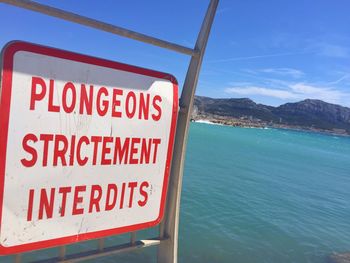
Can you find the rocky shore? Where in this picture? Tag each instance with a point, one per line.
(248, 122)
(339, 258)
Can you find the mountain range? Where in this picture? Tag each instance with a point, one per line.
(308, 114)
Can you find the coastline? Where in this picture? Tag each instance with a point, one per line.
(258, 124)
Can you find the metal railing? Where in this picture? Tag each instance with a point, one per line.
(167, 241)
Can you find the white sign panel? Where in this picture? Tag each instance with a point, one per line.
(85, 147)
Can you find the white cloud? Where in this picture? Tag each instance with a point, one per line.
(254, 57)
(331, 50)
(321, 93)
(294, 92)
(246, 91)
(339, 80)
(295, 73)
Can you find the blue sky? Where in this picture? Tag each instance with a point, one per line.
(271, 51)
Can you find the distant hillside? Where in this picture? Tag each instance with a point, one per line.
(310, 114)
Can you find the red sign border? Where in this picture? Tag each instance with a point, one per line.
(8, 54)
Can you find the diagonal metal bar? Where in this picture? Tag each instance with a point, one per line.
(108, 251)
(86, 21)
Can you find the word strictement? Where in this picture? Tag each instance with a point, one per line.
(88, 149)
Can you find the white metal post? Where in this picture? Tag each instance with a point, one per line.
(167, 251)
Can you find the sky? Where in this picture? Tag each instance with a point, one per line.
(271, 51)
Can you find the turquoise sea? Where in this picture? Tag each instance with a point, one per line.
(257, 195)
(264, 195)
